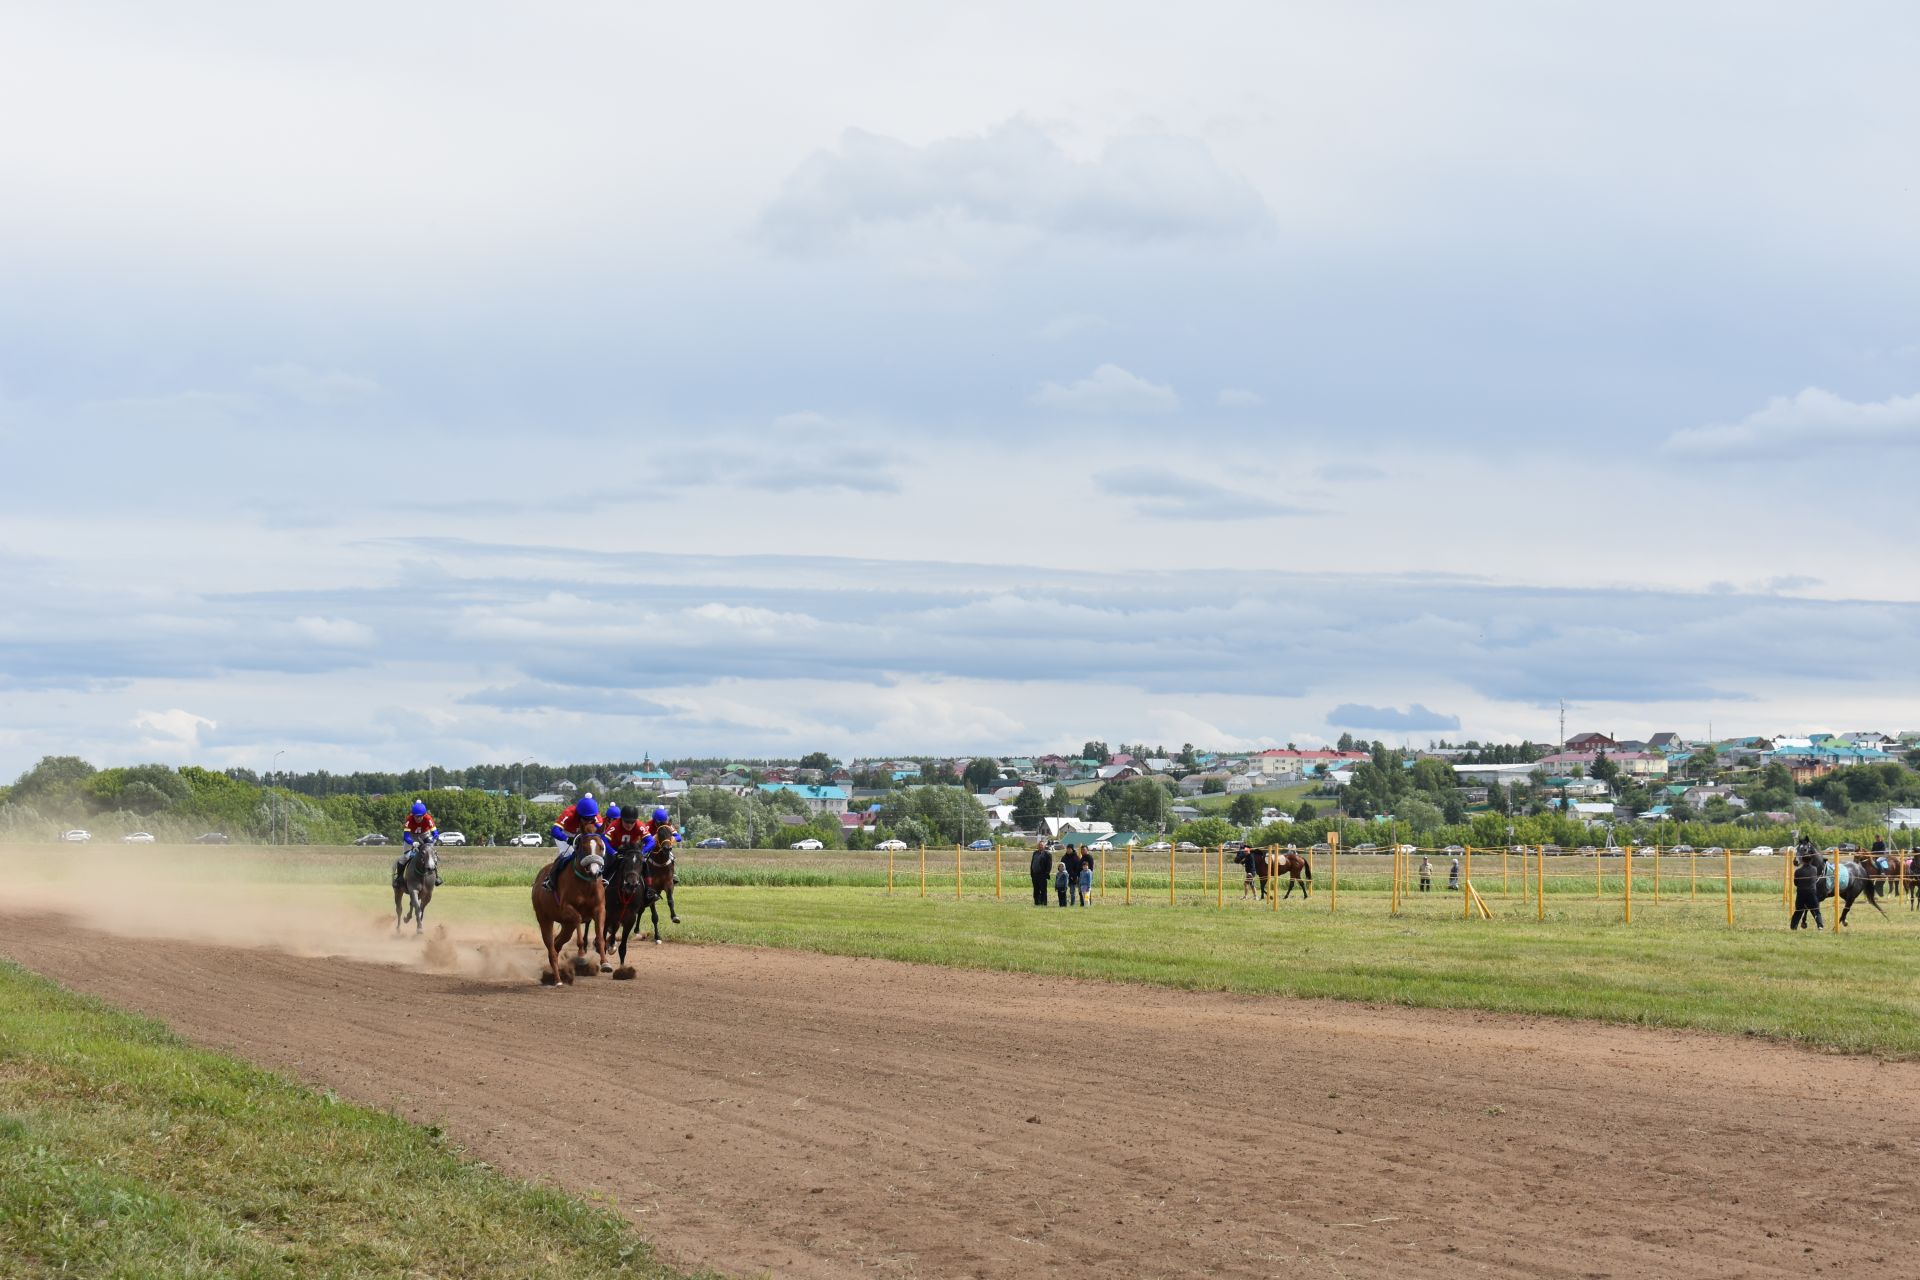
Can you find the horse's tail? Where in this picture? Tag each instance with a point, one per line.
(1306, 864)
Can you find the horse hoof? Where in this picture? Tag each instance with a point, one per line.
(606, 968)
(656, 942)
(625, 973)
(675, 919)
(566, 976)
(548, 980)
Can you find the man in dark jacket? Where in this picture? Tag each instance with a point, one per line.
(1809, 868)
(1070, 869)
(1042, 869)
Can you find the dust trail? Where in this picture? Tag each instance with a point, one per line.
(231, 900)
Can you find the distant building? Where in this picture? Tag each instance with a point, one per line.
(819, 799)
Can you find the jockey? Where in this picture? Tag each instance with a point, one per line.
(624, 830)
(661, 826)
(581, 818)
(420, 829)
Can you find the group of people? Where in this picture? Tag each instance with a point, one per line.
(1071, 875)
(1426, 876)
(620, 830)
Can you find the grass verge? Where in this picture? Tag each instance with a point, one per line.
(126, 1153)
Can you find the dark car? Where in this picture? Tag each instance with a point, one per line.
(712, 842)
(211, 837)
(373, 837)
(981, 844)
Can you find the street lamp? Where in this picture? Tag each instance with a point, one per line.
(273, 822)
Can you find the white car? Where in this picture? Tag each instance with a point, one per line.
(1160, 846)
(806, 845)
(77, 836)
(1101, 846)
(526, 840)
(1187, 846)
(891, 846)
(453, 837)
(137, 837)
(1761, 851)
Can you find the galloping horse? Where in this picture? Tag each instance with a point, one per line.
(1857, 877)
(627, 895)
(661, 878)
(415, 884)
(578, 898)
(1272, 863)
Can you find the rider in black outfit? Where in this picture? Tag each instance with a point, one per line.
(1808, 867)
(1042, 871)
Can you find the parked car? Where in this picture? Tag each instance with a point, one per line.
(1761, 851)
(1365, 848)
(373, 837)
(891, 846)
(806, 845)
(1160, 846)
(137, 837)
(1713, 851)
(453, 837)
(1848, 846)
(526, 840)
(1187, 846)
(211, 837)
(1100, 846)
(712, 842)
(1454, 848)
(1681, 848)
(981, 844)
(77, 836)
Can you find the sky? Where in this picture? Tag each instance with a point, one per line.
(443, 383)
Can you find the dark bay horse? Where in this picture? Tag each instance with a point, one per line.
(415, 884)
(627, 896)
(578, 899)
(661, 876)
(1856, 878)
(1913, 881)
(1269, 864)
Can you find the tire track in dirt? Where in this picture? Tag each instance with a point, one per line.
(810, 1115)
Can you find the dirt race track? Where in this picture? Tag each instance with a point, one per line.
(767, 1111)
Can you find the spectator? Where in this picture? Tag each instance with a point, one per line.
(1060, 876)
(1085, 884)
(1426, 875)
(1809, 870)
(1453, 876)
(1042, 870)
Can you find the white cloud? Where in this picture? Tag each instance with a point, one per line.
(1140, 187)
(1238, 398)
(172, 728)
(1108, 389)
(334, 632)
(1168, 495)
(314, 386)
(1812, 420)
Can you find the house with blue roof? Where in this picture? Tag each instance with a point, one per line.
(820, 799)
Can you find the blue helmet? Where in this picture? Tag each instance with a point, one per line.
(588, 806)
(660, 814)
(613, 813)
(419, 808)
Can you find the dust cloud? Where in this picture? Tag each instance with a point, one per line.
(232, 900)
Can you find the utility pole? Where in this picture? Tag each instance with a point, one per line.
(1563, 725)
(273, 820)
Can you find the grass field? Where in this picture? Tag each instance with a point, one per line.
(126, 1153)
(1679, 964)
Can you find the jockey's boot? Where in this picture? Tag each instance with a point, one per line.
(559, 865)
(437, 881)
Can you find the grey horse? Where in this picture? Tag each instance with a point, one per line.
(415, 885)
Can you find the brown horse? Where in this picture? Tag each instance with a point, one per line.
(1913, 881)
(661, 877)
(1270, 863)
(578, 899)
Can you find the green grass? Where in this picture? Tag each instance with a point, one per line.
(126, 1153)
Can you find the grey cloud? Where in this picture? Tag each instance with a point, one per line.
(531, 695)
(1355, 715)
(1349, 472)
(1168, 495)
(1141, 187)
(1108, 389)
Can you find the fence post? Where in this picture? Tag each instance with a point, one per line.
(956, 871)
(1599, 860)
(1173, 878)
(1393, 891)
(1103, 875)
(1656, 873)
(1129, 901)
(996, 869)
(1729, 854)
(1629, 889)
(1333, 856)
(1504, 850)
(1540, 883)
(1220, 879)
(1786, 877)
(1693, 875)
(889, 867)
(1466, 878)
(1836, 892)
(923, 871)
(1273, 877)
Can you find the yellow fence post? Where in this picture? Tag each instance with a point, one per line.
(1333, 857)
(889, 870)
(1599, 860)
(1729, 855)
(1129, 901)
(1629, 883)
(1393, 889)
(923, 871)
(1103, 875)
(1504, 850)
(1173, 879)
(1540, 883)
(1693, 875)
(1466, 878)
(996, 868)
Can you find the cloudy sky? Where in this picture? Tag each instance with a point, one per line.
(451, 382)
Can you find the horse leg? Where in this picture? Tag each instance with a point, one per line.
(673, 913)
(551, 977)
(396, 910)
(421, 896)
(600, 936)
(654, 907)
